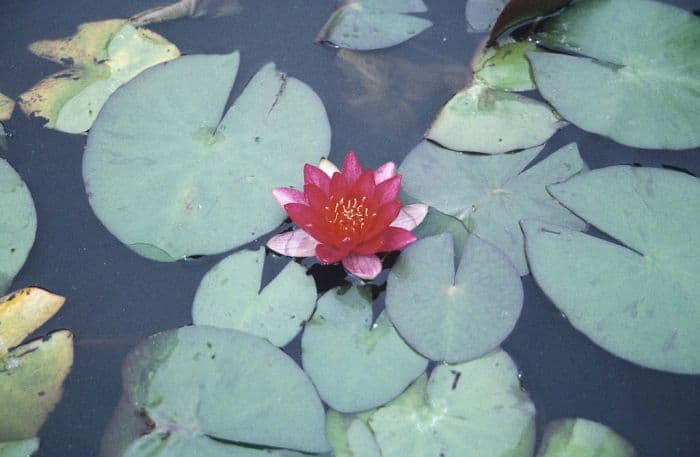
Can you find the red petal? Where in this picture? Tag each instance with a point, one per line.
(352, 168)
(364, 186)
(316, 197)
(316, 176)
(385, 216)
(371, 246)
(363, 266)
(388, 190)
(329, 254)
(307, 219)
(339, 186)
(286, 195)
(397, 238)
(386, 171)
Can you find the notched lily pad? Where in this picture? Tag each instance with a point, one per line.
(229, 296)
(373, 24)
(582, 438)
(350, 436)
(472, 409)
(639, 300)
(355, 364)
(505, 66)
(99, 58)
(491, 194)
(171, 176)
(18, 224)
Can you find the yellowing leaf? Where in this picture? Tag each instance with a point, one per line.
(24, 311)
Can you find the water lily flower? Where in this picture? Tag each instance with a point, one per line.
(347, 216)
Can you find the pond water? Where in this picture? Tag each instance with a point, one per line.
(115, 297)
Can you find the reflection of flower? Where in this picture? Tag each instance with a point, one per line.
(347, 216)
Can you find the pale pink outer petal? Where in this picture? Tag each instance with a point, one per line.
(363, 266)
(410, 216)
(328, 167)
(296, 243)
(285, 195)
(386, 171)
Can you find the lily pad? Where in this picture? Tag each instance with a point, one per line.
(17, 227)
(100, 58)
(356, 365)
(518, 12)
(511, 121)
(230, 296)
(474, 409)
(582, 438)
(201, 387)
(186, 8)
(350, 436)
(436, 223)
(505, 67)
(7, 105)
(373, 24)
(453, 314)
(491, 194)
(170, 178)
(23, 448)
(481, 15)
(641, 89)
(639, 299)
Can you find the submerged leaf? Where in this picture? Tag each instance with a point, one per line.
(505, 67)
(350, 436)
(518, 12)
(170, 178)
(7, 105)
(639, 300)
(482, 14)
(582, 438)
(186, 8)
(23, 448)
(639, 88)
(100, 58)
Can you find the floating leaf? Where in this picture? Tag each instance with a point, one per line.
(7, 105)
(170, 178)
(482, 14)
(24, 448)
(356, 365)
(100, 58)
(201, 387)
(640, 89)
(518, 12)
(453, 314)
(505, 67)
(491, 194)
(187, 8)
(17, 227)
(373, 24)
(350, 436)
(582, 438)
(436, 223)
(474, 409)
(639, 300)
(479, 119)
(230, 296)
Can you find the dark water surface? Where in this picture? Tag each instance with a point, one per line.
(115, 297)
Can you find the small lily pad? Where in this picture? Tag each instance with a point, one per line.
(639, 300)
(641, 89)
(453, 313)
(229, 296)
(356, 365)
(7, 105)
(170, 178)
(18, 225)
(582, 438)
(350, 436)
(482, 14)
(373, 24)
(474, 409)
(201, 387)
(512, 121)
(505, 67)
(100, 58)
(23, 448)
(491, 194)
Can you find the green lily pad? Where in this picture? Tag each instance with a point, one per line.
(640, 89)
(505, 67)
(639, 300)
(7, 105)
(356, 365)
(31, 380)
(474, 409)
(350, 436)
(582, 438)
(482, 14)
(436, 223)
(100, 58)
(170, 178)
(230, 296)
(18, 227)
(23, 448)
(224, 385)
(491, 194)
(453, 314)
(516, 121)
(373, 24)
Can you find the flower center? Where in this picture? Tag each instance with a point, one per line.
(349, 215)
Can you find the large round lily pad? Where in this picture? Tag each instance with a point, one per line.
(491, 194)
(17, 226)
(453, 314)
(640, 89)
(223, 385)
(356, 365)
(350, 436)
(582, 438)
(474, 409)
(170, 178)
(230, 296)
(639, 300)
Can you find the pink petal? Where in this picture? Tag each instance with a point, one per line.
(386, 171)
(388, 190)
(397, 238)
(285, 195)
(328, 167)
(327, 254)
(365, 184)
(296, 243)
(314, 175)
(352, 169)
(363, 266)
(410, 216)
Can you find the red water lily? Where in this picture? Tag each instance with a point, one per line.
(347, 215)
